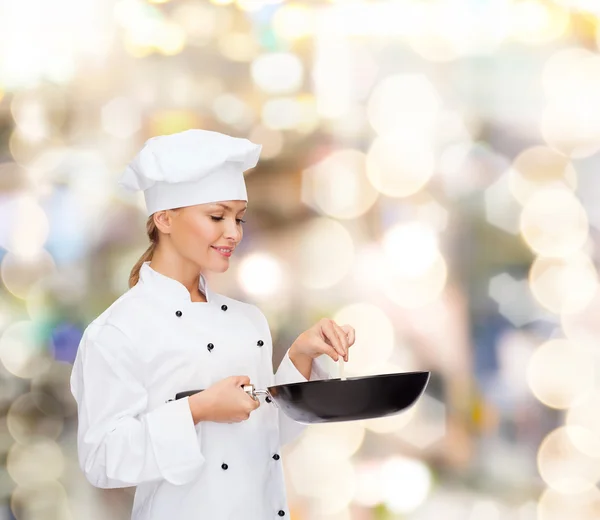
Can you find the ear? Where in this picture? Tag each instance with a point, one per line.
(163, 220)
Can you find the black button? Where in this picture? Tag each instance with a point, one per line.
(224, 466)
(210, 346)
(178, 314)
(268, 399)
(281, 512)
(276, 457)
(223, 307)
(260, 343)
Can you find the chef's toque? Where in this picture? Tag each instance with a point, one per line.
(191, 167)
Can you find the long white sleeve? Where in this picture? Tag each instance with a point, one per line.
(120, 444)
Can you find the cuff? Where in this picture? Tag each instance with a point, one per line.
(175, 441)
(288, 373)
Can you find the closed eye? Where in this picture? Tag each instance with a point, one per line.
(238, 220)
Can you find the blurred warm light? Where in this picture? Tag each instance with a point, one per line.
(332, 73)
(405, 483)
(501, 208)
(238, 46)
(560, 373)
(567, 70)
(554, 222)
(540, 167)
(368, 488)
(338, 185)
(41, 501)
(233, 111)
(272, 141)
(25, 151)
(584, 413)
(415, 292)
(570, 130)
(583, 327)
(256, 5)
(412, 249)
(586, 6)
(416, 272)
(454, 168)
(22, 351)
(563, 285)
(261, 275)
(563, 467)
(536, 22)
(554, 505)
(20, 274)
(486, 508)
(374, 336)
(325, 253)
(399, 167)
(31, 116)
(30, 227)
(334, 441)
(285, 113)
(278, 72)
(430, 212)
(313, 474)
(43, 41)
(172, 39)
(36, 463)
(404, 105)
(148, 30)
(222, 2)
(34, 415)
(293, 21)
(392, 423)
(475, 31)
(427, 424)
(121, 117)
(200, 21)
(571, 81)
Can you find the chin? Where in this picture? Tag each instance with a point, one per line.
(218, 268)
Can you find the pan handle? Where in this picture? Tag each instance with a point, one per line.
(254, 393)
(249, 389)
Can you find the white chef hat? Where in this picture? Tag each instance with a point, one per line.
(191, 167)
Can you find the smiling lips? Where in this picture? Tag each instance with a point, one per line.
(225, 251)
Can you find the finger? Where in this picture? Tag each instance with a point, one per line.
(350, 333)
(332, 335)
(343, 339)
(326, 348)
(253, 404)
(242, 380)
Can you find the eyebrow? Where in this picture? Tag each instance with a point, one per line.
(227, 206)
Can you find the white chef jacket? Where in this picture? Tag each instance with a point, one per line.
(150, 344)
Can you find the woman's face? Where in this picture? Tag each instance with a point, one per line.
(206, 234)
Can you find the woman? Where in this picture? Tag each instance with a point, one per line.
(214, 455)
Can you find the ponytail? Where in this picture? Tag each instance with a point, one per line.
(152, 232)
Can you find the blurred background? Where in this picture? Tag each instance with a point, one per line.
(429, 175)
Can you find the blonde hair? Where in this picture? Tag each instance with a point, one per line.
(152, 232)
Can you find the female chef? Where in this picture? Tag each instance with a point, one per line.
(216, 454)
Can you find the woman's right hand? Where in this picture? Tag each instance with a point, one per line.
(224, 402)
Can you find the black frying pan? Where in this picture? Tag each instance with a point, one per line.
(337, 400)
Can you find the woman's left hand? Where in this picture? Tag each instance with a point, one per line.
(325, 337)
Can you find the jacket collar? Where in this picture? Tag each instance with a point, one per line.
(169, 287)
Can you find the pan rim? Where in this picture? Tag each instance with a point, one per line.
(357, 378)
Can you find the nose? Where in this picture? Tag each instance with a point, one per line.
(233, 231)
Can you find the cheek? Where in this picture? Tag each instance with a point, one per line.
(195, 235)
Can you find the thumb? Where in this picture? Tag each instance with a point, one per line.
(242, 380)
(346, 328)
